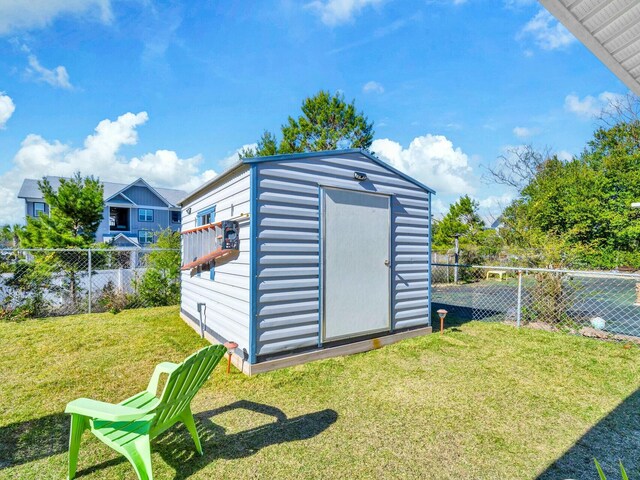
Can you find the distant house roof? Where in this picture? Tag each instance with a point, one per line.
(122, 240)
(30, 189)
(497, 223)
(610, 29)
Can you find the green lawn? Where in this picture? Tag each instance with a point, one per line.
(482, 401)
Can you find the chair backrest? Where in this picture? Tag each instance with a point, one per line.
(184, 382)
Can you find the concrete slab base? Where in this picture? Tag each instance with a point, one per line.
(317, 354)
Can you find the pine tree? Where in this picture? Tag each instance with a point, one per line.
(76, 210)
(327, 122)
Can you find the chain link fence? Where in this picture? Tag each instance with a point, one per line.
(51, 282)
(587, 302)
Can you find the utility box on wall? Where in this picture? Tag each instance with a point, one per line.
(332, 257)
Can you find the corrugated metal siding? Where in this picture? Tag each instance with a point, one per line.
(227, 296)
(288, 246)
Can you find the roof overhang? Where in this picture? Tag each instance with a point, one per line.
(609, 28)
(294, 156)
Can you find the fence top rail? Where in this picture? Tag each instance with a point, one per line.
(99, 250)
(541, 270)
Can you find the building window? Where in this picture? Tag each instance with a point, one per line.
(145, 237)
(39, 208)
(145, 215)
(207, 216)
(175, 216)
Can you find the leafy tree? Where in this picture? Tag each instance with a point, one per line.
(462, 219)
(327, 122)
(160, 284)
(580, 210)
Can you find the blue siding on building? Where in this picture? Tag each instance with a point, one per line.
(288, 251)
(138, 192)
(161, 220)
(141, 195)
(31, 208)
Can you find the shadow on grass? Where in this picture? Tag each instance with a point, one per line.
(613, 439)
(47, 436)
(32, 440)
(178, 451)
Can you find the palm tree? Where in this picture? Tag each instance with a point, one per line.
(9, 235)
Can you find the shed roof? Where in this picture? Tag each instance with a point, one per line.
(304, 155)
(609, 28)
(30, 189)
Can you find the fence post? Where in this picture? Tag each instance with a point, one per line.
(519, 308)
(89, 271)
(120, 281)
(457, 258)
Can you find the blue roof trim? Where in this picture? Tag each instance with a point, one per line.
(333, 153)
(253, 265)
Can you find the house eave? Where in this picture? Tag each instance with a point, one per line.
(294, 156)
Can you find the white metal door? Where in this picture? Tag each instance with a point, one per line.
(356, 263)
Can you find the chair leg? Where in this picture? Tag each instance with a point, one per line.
(189, 422)
(78, 426)
(139, 454)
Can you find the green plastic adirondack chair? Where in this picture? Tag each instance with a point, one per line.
(129, 426)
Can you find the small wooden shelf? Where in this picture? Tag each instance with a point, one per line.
(210, 257)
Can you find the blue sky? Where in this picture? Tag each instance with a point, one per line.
(169, 91)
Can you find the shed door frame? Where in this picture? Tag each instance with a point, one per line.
(323, 270)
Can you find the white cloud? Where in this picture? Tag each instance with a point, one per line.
(234, 157)
(336, 12)
(525, 132)
(491, 207)
(440, 209)
(547, 32)
(590, 106)
(100, 156)
(518, 3)
(432, 159)
(7, 108)
(564, 155)
(496, 202)
(20, 15)
(56, 77)
(372, 87)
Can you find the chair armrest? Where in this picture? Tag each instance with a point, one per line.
(104, 411)
(164, 367)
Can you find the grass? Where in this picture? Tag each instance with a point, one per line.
(482, 401)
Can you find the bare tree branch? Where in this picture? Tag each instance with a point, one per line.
(518, 166)
(622, 109)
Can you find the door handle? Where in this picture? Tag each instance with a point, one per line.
(387, 263)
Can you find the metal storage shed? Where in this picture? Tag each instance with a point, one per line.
(332, 257)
